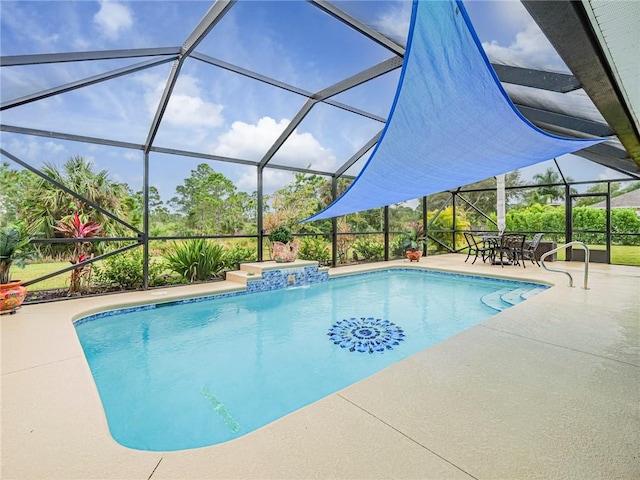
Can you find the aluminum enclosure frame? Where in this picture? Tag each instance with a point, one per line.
(544, 13)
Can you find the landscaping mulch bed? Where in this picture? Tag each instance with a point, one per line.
(42, 296)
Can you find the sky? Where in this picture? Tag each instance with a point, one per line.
(212, 110)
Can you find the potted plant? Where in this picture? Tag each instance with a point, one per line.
(412, 241)
(12, 251)
(284, 248)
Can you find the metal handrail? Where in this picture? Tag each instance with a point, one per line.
(586, 262)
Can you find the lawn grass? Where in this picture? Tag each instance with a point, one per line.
(620, 254)
(625, 255)
(35, 270)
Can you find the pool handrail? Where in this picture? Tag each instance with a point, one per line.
(586, 263)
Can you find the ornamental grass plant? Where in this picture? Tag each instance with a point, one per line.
(196, 260)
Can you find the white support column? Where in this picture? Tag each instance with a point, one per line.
(500, 203)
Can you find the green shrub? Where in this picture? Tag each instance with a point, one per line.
(196, 260)
(235, 255)
(281, 234)
(367, 249)
(547, 218)
(315, 248)
(625, 220)
(397, 247)
(125, 270)
(440, 229)
(538, 218)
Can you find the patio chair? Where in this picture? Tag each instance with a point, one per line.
(510, 249)
(529, 253)
(517, 248)
(477, 248)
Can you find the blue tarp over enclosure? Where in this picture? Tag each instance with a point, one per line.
(451, 123)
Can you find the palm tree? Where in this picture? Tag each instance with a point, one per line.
(550, 192)
(45, 204)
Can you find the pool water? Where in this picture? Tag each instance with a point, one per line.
(195, 374)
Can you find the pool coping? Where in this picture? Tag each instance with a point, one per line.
(585, 340)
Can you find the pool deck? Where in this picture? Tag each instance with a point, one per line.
(547, 389)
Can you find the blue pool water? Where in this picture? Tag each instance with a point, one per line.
(189, 375)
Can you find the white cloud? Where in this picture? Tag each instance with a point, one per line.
(26, 150)
(187, 105)
(510, 13)
(193, 111)
(251, 142)
(394, 23)
(34, 150)
(133, 156)
(113, 18)
(19, 21)
(80, 43)
(530, 49)
(53, 147)
(272, 180)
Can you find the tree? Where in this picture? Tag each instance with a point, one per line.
(305, 196)
(158, 212)
(400, 215)
(13, 184)
(629, 188)
(44, 203)
(597, 188)
(484, 198)
(551, 191)
(443, 224)
(203, 199)
(241, 213)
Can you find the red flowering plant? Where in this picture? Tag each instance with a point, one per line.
(75, 227)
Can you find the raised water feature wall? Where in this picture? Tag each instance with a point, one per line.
(287, 277)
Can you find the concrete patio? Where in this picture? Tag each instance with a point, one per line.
(547, 389)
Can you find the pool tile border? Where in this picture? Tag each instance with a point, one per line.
(452, 274)
(277, 279)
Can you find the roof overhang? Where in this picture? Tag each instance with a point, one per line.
(597, 60)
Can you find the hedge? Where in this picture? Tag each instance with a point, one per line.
(546, 218)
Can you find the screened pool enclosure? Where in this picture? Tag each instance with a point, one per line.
(177, 125)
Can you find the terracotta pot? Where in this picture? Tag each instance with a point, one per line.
(414, 254)
(11, 296)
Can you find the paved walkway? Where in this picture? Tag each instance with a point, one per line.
(547, 389)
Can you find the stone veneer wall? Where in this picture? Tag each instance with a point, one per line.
(287, 277)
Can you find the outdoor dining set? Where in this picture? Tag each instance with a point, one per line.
(503, 249)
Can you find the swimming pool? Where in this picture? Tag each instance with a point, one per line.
(187, 375)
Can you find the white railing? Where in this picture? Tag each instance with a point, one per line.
(586, 263)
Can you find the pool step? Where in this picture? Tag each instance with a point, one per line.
(514, 297)
(508, 297)
(533, 291)
(494, 300)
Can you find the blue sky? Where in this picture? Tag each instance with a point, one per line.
(212, 110)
